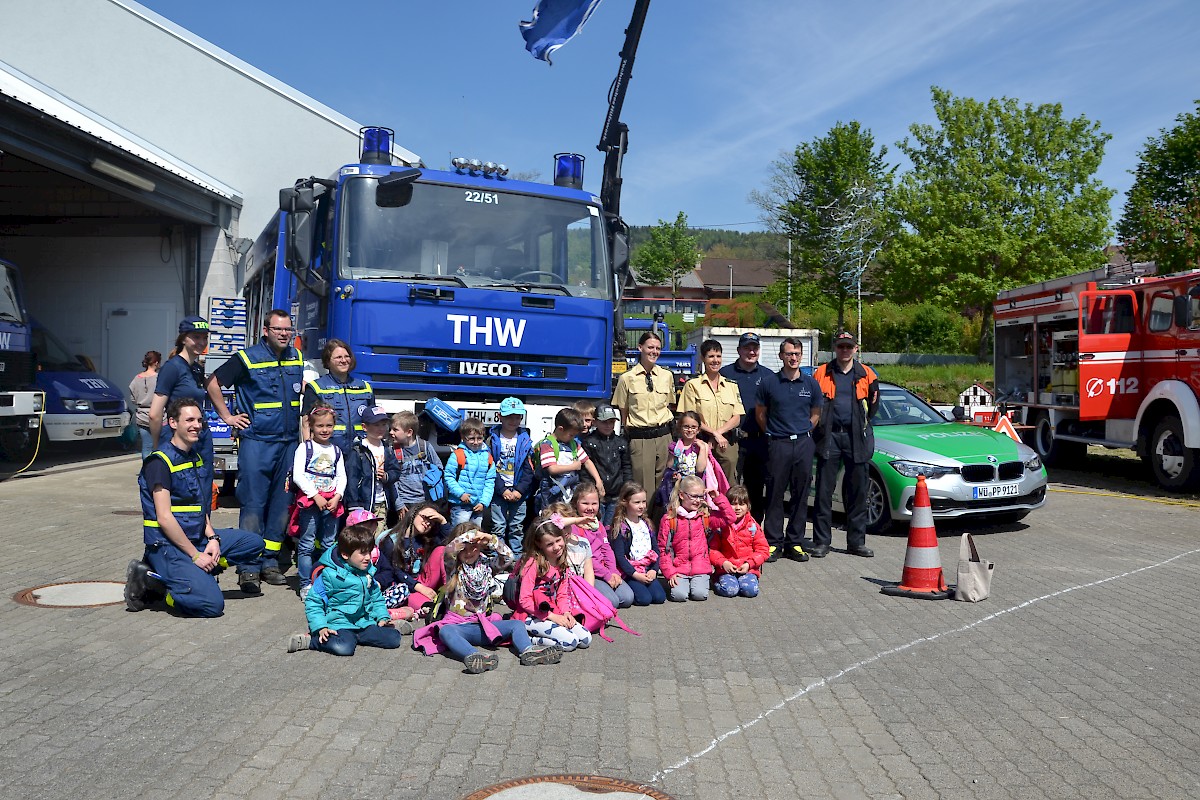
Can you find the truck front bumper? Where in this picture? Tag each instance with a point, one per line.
(84, 427)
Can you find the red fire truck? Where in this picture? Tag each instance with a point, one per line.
(1109, 357)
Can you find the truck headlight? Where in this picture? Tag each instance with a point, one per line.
(37, 403)
(911, 469)
(77, 405)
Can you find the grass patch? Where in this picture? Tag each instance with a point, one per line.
(938, 383)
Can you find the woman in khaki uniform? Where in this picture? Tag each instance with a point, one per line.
(718, 401)
(645, 395)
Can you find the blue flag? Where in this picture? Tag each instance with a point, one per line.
(554, 23)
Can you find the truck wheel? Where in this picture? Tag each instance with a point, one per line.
(1174, 465)
(1055, 453)
(17, 446)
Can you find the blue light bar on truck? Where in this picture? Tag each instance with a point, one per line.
(375, 145)
(568, 170)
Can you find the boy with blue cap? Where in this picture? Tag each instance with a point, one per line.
(511, 446)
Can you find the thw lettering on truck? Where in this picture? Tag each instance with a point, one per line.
(508, 332)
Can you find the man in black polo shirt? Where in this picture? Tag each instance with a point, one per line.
(788, 408)
(747, 373)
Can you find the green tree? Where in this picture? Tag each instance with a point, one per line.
(811, 193)
(1161, 221)
(667, 256)
(999, 195)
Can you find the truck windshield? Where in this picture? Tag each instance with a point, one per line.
(478, 238)
(10, 301)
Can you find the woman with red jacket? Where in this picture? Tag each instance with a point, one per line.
(738, 552)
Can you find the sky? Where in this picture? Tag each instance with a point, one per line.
(720, 88)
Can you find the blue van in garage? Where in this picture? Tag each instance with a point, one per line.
(80, 404)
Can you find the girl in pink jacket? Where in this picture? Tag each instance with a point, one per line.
(683, 536)
(544, 604)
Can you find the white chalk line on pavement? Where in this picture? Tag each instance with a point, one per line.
(866, 662)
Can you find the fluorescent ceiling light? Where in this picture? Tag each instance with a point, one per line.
(123, 175)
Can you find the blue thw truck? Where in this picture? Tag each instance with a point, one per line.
(461, 284)
(20, 404)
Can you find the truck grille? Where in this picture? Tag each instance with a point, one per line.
(517, 369)
(108, 406)
(513, 381)
(16, 370)
(426, 353)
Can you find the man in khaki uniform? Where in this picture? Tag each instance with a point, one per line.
(645, 395)
(718, 401)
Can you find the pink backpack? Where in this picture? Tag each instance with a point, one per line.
(595, 608)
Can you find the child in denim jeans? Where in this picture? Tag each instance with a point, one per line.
(319, 476)
(511, 447)
(470, 476)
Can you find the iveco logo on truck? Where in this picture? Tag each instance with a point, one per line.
(480, 330)
(480, 368)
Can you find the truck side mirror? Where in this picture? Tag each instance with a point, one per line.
(1181, 303)
(396, 190)
(298, 239)
(620, 254)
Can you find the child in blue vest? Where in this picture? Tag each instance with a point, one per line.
(511, 446)
(470, 476)
(345, 606)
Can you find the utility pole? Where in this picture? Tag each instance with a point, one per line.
(789, 282)
(731, 281)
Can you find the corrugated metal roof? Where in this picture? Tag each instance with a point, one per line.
(36, 95)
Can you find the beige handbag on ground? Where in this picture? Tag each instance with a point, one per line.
(974, 574)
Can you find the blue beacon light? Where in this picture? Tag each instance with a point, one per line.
(376, 147)
(568, 170)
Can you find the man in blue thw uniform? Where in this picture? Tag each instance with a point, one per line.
(268, 378)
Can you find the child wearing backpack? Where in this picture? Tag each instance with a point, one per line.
(633, 546)
(683, 536)
(740, 549)
(421, 476)
(319, 478)
(404, 555)
(511, 447)
(607, 578)
(472, 558)
(371, 466)
(470, 476)
(561, 459)
(544, 604)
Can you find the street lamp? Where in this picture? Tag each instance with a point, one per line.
(731, 281)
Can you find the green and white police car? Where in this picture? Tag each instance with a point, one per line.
(970, 471)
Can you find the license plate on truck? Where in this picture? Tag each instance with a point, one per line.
(489, 416)
(111, 422)
(1003, 490)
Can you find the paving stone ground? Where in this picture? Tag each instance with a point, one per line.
(1080, 677)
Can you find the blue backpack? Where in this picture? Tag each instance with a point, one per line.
(432, 476)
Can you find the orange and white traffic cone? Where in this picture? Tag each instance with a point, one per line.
(922, 577)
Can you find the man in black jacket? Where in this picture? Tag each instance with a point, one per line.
(609, 451)
(844, 437)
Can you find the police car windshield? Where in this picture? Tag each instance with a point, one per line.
(900, 407)
(484, 238)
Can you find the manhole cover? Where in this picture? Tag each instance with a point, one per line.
(76, 594)
(566, 787)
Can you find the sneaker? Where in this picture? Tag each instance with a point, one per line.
(248, 582)
(796, 553)
(541, 654)
(135, 585)
(304, 590)
(274, 576)
(298, 642)
(478, 662)
(405, 626)
(773, 556)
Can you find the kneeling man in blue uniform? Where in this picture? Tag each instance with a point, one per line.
(183, 552)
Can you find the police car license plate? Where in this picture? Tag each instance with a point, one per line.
(489, 416)
(111, 422)
(1002, 490)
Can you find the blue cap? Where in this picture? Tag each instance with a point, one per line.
(374, 414)
(190, 324)
(510, 406)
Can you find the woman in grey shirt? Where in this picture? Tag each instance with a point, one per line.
(141, 389)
